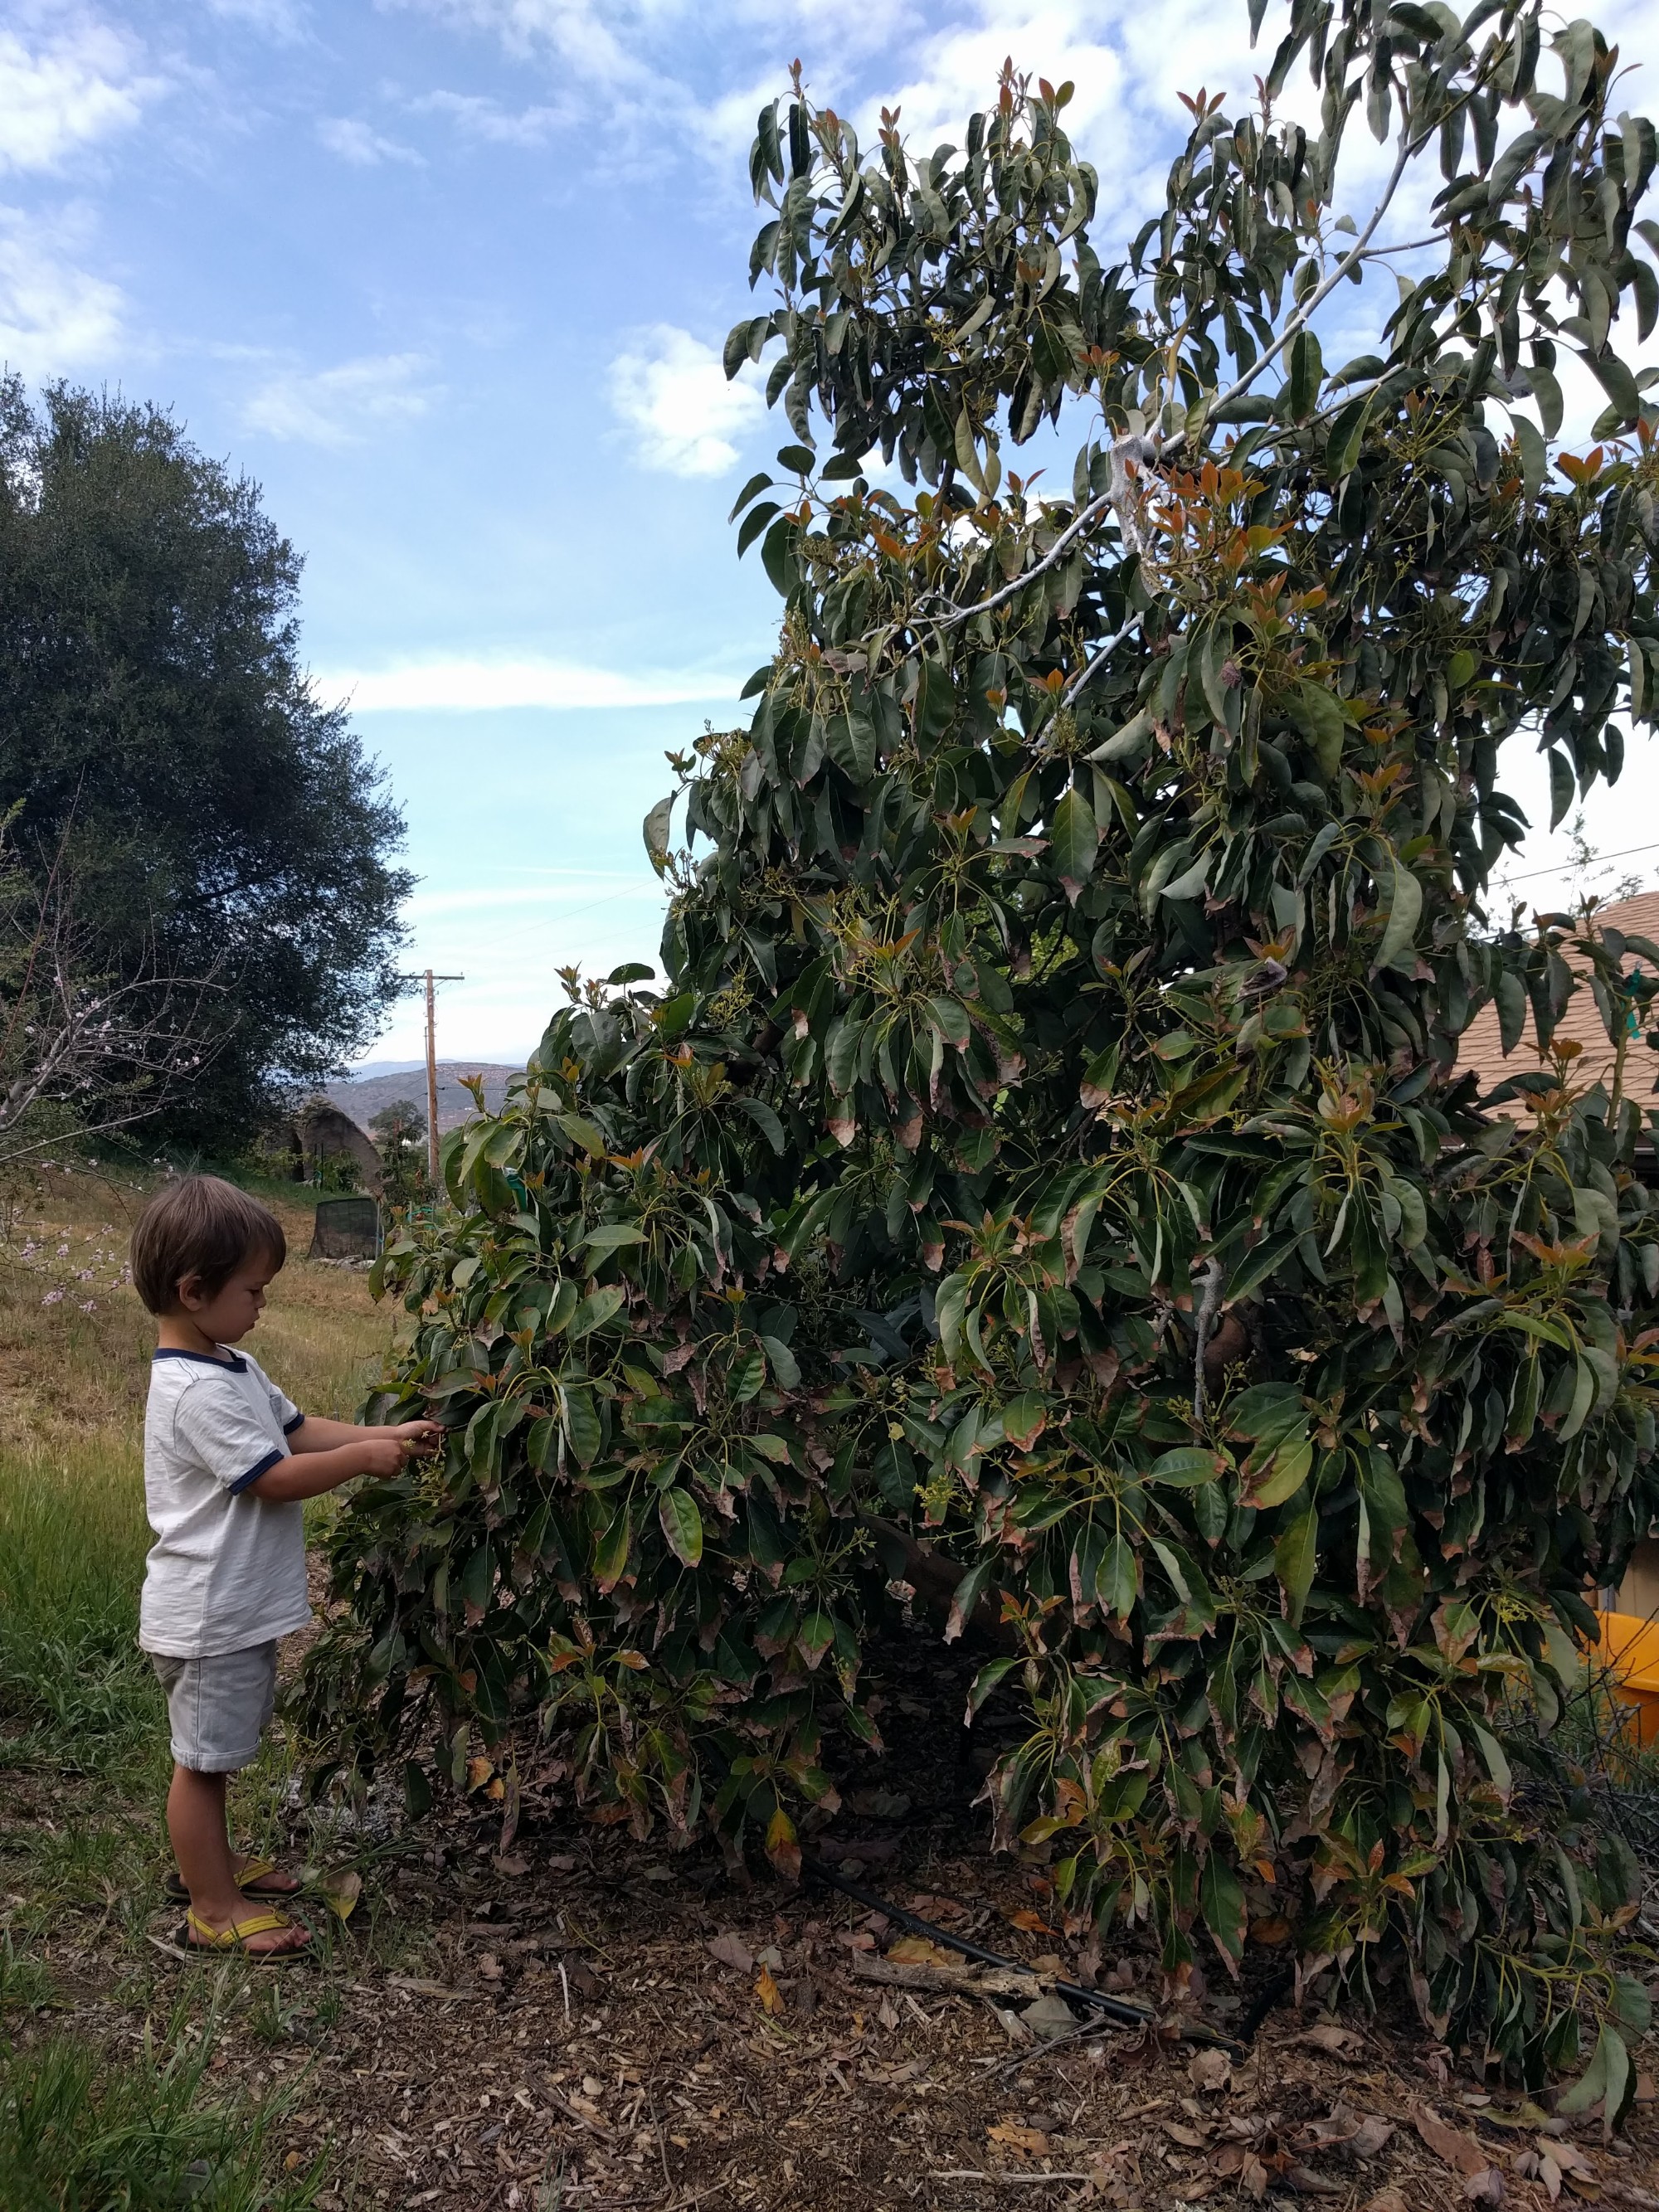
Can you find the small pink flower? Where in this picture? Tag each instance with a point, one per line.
(88, 1305)
(52, 1298)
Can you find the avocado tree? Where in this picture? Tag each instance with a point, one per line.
(1044, 1175)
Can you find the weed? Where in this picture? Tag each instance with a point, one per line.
(26, 1985)
(83, 2129)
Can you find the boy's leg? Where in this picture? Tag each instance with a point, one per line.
(218, 1707)
(201, 1845)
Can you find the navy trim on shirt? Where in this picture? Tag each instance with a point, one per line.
(243, 1481)
(289, 1427)
(234, 1365)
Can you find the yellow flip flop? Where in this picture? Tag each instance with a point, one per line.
(197, 1938)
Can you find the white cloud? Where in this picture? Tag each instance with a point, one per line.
(67, 90)
(358, 142)
(465, 685)
(344, 406)
(479, 117)
(671, 392)
(282, 21)
(54, 316)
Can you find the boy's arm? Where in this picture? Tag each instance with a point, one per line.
(325, 1454)
(372, 1451)
(312, 1435)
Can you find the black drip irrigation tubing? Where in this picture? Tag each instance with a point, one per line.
(1116, 2009)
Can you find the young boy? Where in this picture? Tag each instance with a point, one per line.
(228, 1462)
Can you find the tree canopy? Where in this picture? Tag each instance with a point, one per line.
(1046, 1165)
(219, 819)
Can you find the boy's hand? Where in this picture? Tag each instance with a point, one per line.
(383, 1453)
(421, 1437)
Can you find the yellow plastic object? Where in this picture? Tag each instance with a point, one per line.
(1629, 1650)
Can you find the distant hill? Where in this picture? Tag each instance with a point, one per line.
(366, 1096)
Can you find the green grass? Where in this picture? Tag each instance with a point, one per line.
(74, 1689)
(85, 2129)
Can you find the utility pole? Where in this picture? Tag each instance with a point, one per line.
(432, 1070)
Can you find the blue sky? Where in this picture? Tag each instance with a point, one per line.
(450, 278)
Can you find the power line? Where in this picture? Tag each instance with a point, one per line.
(1567, 866)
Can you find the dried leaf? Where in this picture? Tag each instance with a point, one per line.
(340, 1892)
(731, 1950)
(478, 1772)
(1307, 2183)
(919, 1951)
(1454, 2149)
(1373, 2133)
(1386, 2200)
(1339, 2042)
(1189, 2138)
(1029, 2141)
(767, 1991)
(513, 1866)
(490, 1967)
(1048, 2016)
(1032, 1922)
(1210, 2071)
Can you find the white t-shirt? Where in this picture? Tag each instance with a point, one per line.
(228, 1569)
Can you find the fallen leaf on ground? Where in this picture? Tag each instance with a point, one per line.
(513, 1866)
(1271, 1931)
(919, 1951)
(1032, 1922)
(1189, 2138)
(1341, 2042)
(1373, 2133)
(767, 1991)
(340, 1892)
(490, 1967)
(478, 1772)
(1386, 2200)
(1210, 2069)
(731, 1950)
(1031, 2141)
(1456, 2149)
(1048, 2016)
(1307, 2183)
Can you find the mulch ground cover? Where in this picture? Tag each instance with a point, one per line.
(583, 2021)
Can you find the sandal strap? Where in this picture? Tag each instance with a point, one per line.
(255, 1870)
(226, 1939)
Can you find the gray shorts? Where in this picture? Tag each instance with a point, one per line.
(219, 1707)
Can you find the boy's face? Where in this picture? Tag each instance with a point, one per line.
(230, 1313)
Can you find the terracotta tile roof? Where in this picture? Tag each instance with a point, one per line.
(1479, 1047)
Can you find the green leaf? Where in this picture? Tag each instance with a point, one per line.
(611, 1236)
(596, 1309)
(1307, 375)
(1221, 1901)
(1117, 1578)
(681, 1524)
(610, 1553)
(1024, 1418)
(1187, 1466)
(1294, 1555)
(657, 826)
(1405, 910)
(1321, 721)
(756, 484)
(1074, 839)
(582, 1424)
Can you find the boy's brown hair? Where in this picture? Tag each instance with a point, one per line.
(204, 1227)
